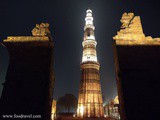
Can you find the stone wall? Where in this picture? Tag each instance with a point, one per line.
(29, 81)
(137, 74)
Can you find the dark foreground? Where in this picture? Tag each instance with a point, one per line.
(75, 118)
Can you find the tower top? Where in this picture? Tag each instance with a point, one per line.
(89, 20)
(89, 43)
(89, 11)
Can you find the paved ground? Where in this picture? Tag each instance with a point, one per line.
(84, 118)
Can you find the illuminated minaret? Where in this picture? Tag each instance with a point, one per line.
(90, 102)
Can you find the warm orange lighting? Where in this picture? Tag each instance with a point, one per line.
(90, 103)
(131, 32)
(53, 111)
(39, 33)
(81, 111)
(25, 39)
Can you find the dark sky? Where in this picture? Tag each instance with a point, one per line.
(66, 19)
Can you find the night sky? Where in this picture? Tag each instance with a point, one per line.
(67, 19)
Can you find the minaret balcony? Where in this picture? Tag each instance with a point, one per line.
(89, 26)
(89, 42)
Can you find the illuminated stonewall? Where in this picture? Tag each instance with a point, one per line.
(137, 62)
(53, 111)
(90, 96)
(131, 32)
(29, 81)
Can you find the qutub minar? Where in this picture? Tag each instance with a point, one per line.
(90, 102)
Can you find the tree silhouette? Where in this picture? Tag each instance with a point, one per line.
(68, 101)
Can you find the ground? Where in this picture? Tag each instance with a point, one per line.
(74, 118)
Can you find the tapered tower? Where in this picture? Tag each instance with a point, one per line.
(90, 96)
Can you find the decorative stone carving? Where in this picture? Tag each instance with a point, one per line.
(25, 39)
(39, 33)
(41, 30)
(126, 18)
(131, 32)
